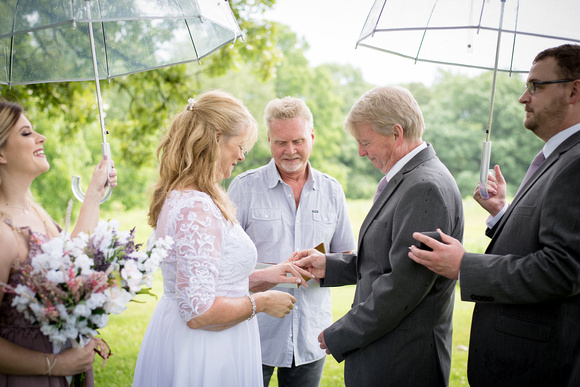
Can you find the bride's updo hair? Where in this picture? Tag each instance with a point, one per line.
(189, 153)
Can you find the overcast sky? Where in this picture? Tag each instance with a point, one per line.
(332, 27)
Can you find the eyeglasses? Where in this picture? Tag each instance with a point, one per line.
(532, 85)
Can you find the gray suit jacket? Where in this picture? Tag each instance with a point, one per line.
(526, 323)
(398, 332)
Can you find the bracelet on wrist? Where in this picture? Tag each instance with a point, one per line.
(50, 366)
(253, 306)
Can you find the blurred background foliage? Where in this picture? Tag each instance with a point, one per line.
(270, 63)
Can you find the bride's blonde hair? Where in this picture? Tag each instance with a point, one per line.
(189, 154)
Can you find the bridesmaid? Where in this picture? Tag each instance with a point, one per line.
(26, 357)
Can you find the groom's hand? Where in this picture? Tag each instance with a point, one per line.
(311, 260)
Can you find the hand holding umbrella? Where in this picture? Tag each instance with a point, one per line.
(129, 36)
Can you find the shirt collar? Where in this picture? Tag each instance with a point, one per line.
(554, 142)
(273, 175)
(401, 163)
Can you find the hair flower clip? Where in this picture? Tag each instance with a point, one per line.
(191, 103)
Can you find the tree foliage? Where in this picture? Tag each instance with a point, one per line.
(270, 63)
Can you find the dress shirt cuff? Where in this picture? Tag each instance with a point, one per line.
(492, 220)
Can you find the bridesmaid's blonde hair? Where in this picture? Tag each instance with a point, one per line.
(189, 154)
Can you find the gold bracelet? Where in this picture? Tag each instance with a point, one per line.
(253, 306)
(50, 367)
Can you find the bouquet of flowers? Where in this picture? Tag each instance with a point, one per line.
(72, 286)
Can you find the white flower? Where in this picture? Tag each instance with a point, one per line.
(147, 281)
(71, 331)
(82, 310)
(55, 276)
(131, 274)
(139, 256)
(25, 294)
(164, 243)
(84, 263)
(117, 299)
(100, 320)
(123, 237)
(96, 300)
(53, 333)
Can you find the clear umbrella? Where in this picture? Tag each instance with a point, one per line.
(497, 35)
(80, 40)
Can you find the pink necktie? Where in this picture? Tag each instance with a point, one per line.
(382, 185)
(538, 160)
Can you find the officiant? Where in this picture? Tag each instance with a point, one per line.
(286, 206)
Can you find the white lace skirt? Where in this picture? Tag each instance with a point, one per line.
(172, 354)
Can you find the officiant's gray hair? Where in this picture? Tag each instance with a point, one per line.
(287, 108)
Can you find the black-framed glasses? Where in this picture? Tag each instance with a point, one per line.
(532, 85)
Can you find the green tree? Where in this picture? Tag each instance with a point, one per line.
(456, 121)
(137, 108)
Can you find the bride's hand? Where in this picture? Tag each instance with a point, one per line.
(275, 303)
(264, 279)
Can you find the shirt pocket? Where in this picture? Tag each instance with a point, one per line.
(324, 224)
(265, 224)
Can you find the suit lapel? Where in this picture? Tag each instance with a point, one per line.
(544, 168)
(391, 188)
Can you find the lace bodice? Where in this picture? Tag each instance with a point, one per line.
(211, 257)
(10, 318)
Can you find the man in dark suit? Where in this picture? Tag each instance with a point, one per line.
(526, 322)
(398, 332)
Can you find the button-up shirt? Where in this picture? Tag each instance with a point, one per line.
(267, 211)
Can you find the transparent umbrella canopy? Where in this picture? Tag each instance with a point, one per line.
(496, 35)
(82, 40)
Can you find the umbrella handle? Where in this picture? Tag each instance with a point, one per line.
(76, 180)
(484, 169)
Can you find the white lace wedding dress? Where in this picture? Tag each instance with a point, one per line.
(211, 258)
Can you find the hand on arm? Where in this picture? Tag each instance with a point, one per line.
(496, 186)
(445, 259)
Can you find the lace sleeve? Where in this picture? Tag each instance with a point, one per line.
(199, 231)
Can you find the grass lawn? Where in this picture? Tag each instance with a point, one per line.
(125, 332)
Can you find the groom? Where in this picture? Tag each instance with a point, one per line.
(398, 332)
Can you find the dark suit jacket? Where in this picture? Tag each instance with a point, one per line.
(526, 323)
(398, 332)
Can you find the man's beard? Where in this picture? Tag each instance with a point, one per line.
(291, 167)
(549, 116)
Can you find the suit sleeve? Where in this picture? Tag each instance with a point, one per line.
(402, 283)
(537, 252)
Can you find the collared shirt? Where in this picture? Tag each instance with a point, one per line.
(548, 148)
(267, 212)
(401, 163)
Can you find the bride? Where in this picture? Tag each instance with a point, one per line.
(203, 331)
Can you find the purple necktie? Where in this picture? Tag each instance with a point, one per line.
(382, 185)
(538, 160)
